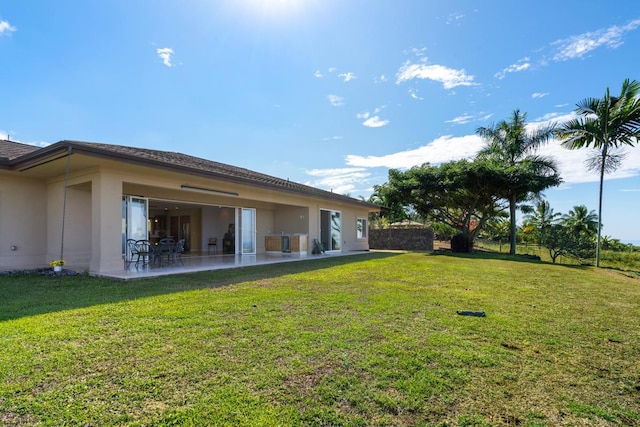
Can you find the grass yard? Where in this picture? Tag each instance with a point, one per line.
(372, 339)
(622, 260)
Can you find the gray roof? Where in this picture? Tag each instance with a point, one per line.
(172, 161)
(10, 150)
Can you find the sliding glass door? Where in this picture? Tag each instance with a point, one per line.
(331, 230)
(135, 224)
(247, 221)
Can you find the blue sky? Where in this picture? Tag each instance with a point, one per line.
(331, 93)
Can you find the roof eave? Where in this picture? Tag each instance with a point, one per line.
(63, 148)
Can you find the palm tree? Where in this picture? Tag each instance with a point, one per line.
(541, 219)
(604, 124)
(512, 145)
(581, 221)
(392, 211)
(498, 229)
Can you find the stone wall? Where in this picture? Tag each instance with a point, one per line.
(409, 239)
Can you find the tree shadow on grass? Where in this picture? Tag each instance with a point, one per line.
(24, 295)
(482, 254)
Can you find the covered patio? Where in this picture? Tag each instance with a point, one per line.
(191, 263)
(83, 202)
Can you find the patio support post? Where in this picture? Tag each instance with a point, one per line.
(106, 222)
(64, 202)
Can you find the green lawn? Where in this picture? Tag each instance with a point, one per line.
(371, 339)
(622, 260)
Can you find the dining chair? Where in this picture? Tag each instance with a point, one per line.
(168, 248)
(143, 249)
(131, 252)
(179, 249)
(213, 241)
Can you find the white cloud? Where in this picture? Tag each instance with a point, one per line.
(318, 74)
(461, 120)
(416, 51)
(38, 144)
(334, 172)
(572, 163)
(578, 46)
(449, 77)
(380, 79)
(372, 120)
(339, 181)
(334, 138)
(413, 93)
(575, 47)
(335, 100)
(331, 69)
(467, 118)
(375, 122)
(454, 18)
(539, 95)
(6, 28)
(522, 65)
(550, 118)
(442, 149)
(347, 76)
(165, 54)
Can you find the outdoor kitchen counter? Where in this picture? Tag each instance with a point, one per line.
(298, 243)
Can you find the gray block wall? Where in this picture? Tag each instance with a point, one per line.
(408, 239)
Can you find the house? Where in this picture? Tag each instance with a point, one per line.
(86, 199)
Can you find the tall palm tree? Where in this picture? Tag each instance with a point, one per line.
(513, 145)
(604, 124)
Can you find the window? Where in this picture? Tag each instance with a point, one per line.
(361, 228)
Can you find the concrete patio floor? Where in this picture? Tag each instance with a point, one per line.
(194, 262)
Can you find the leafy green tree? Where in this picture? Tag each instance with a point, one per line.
(391, 212)
(611, 244)
(512, 145)
(442, 231)
(540, 219)
(460, 194)
(604, 124)
(561, 241)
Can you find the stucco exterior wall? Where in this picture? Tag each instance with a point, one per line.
(264, 227)
(23, 213)
(106, 224)
(291, 220)
(350, 242)
(77, 226)
(31, 212)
